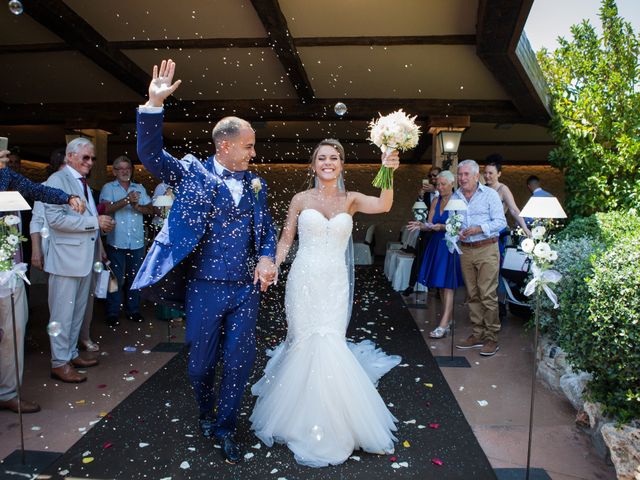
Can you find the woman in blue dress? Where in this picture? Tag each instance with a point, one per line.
(440, 268)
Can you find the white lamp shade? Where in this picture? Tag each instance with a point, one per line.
(543, 207)
(455, 204)
(12, 202)
(163, 201)
(419, 206)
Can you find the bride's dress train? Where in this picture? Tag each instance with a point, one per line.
(318, 393)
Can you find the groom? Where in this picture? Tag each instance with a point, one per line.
(217, 244)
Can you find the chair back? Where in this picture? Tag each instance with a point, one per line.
(362, 254)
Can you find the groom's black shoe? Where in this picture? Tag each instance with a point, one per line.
(230, 449)
(206, 427)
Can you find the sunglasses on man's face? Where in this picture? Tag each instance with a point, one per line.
(86, 158)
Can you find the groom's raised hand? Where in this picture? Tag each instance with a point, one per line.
(161, 87)
(265, 272)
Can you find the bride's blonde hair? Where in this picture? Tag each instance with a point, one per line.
(331, 142)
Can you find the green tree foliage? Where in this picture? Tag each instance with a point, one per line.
(595, 92)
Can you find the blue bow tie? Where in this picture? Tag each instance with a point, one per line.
(229, 174)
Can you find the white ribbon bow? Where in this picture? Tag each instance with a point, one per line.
(543, 278)
(452, 243)
(9, 279)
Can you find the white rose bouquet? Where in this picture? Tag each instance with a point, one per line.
(10, 238)
(396, 131)
(543, 257)
(452, 232)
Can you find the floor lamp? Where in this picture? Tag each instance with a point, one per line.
(453, 205)
(538, 208)
(14, 202)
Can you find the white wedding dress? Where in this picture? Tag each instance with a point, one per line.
(318, 393)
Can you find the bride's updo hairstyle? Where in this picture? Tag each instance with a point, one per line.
(331, 142)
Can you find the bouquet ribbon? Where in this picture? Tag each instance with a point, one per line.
(452, 243)
(9, 279)
(543, 278)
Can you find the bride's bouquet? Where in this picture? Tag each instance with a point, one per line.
(396, 131)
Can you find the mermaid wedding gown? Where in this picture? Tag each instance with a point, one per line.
(318, 393)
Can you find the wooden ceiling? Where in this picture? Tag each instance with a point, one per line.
(282, 64)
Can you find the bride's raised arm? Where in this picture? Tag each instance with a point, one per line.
(289, 230)
(381, 204)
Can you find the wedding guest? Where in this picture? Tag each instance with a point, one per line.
(440, 268)
(73, 250)
(9, 180)
(127, 202)
(40, 246)
(533, 184)
(426, 194)
(480, 259)
(492, 174)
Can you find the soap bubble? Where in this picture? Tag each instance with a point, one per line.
(98, 267)
(15, 7)
(340, 109)
(54, 329)
(44, 232)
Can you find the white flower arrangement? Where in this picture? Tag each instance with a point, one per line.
(540, 252)
(395, 131)
(452, 232)
(256, 186)
(10, 239)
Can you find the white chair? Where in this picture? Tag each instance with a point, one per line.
(362, 254)
(402, 272)
(369, 239)
(390, 258)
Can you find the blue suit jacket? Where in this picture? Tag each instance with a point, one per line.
(162, 275)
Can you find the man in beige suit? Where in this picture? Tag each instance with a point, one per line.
(73, 249)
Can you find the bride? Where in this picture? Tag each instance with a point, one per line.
(318, 393)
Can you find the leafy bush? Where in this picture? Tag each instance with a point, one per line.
(575, 257)
(608, 228)
(598, 322)
(605, 341)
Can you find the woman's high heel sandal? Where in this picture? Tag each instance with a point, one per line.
(440, 332)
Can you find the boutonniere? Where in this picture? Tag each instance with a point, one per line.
(256, 186)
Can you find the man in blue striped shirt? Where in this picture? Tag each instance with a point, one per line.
(480, 259)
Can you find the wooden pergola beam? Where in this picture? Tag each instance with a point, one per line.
(281, 41)
(56, 16)
(489, 111)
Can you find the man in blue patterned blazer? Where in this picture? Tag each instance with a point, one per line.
(209, 257)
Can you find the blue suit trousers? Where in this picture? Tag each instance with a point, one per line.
(221, 323)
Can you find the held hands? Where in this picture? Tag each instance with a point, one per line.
(161, 87)
(391, 160)
(425, 227)
(134, 197)
(469, 231)
(77, 205)
(266, 272)
(106, 223)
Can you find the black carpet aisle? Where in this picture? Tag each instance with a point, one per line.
(154, 434)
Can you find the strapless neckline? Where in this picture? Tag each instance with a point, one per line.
(323, 215)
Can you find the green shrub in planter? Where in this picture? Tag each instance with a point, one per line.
(606, 340)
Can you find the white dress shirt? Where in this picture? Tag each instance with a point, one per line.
(91, 205)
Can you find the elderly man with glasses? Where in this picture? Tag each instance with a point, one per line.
(128, 202)
(74, 246)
